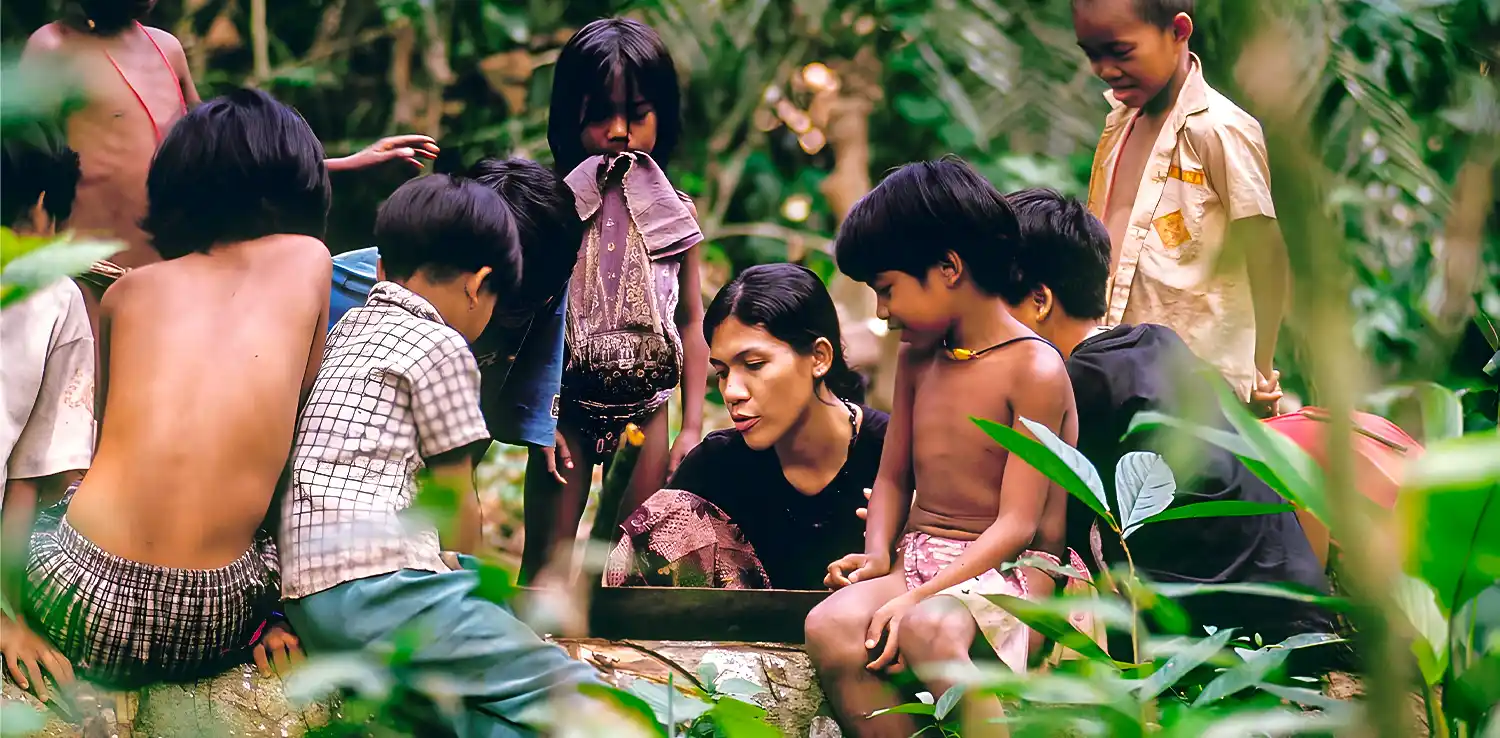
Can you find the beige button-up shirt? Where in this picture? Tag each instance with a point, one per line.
(1207, 169)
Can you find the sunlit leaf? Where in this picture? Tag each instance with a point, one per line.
(628, 703)
(1144, 486)
(1248, 674)
(735, 719)
(1303, 696)
(668, 702)
(1450, 505)
(1183, 663)
(1277, 722)
(1047, 619)
(1281, 591)
(1044, 565)
(948, 701)
(33, 263)
(910, 708)
(1061, 463)
(736, 687)
(1419, 603)
(1218, 509)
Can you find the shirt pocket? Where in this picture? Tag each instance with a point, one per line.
(1177, 227)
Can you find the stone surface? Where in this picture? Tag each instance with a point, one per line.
(240, 702)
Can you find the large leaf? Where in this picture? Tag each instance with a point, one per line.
(1051, 621)
(1268, 454)
(1255, 669)
(1061, 463)
(1182, 663)
(1282, 591)
(627, 703)
(736, 719)
(1451, 509)
(32, 263)
(1218, 509)
(1429, 644)
(1144, 486)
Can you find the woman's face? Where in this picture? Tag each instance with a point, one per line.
(624, 121)
(766, 384)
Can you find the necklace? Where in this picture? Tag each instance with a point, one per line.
(963, 354)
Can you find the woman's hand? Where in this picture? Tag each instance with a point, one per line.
(864, 512)
(278, 648)
(855, 568)
(687, 440)
(22, 647)
(887, 621)
(411, 148)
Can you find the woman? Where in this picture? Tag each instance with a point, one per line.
(773, 501)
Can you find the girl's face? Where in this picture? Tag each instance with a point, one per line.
(767, 385)
(624, 121)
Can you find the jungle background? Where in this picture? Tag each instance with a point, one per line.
(793, 109)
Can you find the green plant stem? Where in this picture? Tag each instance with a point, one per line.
(1437, 722)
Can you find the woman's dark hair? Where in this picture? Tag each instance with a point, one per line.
(236, 168)
(546, 219)
(104, 17)
(447, 226)
(36, 161)
(791, 304)
(919, 213)
(588, 66)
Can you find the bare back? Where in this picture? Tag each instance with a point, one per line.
(207, 358)
(117, 131)
(959, 471)
(1125, 179)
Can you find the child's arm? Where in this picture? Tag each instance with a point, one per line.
(1023, 495)
(1266, 260)
(172, 48)
(451, 434)
(454, 471)
(413, 148)
(890, 497)
(694, 353)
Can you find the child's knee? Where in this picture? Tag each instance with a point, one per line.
(835, 633)
(939, 627)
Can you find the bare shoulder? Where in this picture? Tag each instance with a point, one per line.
(47, 39)
(301, 256)
(168, 43)
(1041, 375)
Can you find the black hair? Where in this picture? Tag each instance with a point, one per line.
(590, 63)
(790, 302)
(238, 167)
(36, 161)
(447, 226)
(546, 221)
(921, 211)
(1065, 248)
(104, 17)
(1158, 13)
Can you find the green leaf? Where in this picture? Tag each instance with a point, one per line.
(1144, 486)
(1218, 509)
(1305, 640)
(629, 703)
(1419, 603)
(1247, 674)
(1060, 462)
(948, 701)
(910, 708)
(736, 719)
(33, 263)
(1183, 663)
(1045, 618)
(1282, 591)
(1451, 509)
(708, 673)
(1043, 565)
(18, 719)
(736, 687)
(1442, 412)
(1303, 696)
(667, 702)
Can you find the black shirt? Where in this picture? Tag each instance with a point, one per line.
(795, 535)
(1128, 369)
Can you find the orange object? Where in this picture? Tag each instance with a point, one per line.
(1381, 452)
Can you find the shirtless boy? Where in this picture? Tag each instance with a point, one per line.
(154, 569)
(1181, 181)
(936, 243)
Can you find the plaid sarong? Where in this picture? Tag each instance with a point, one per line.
(125, 624)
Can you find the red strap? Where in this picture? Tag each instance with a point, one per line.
(155, 129)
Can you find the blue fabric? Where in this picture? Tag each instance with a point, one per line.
(474, 647)
(520, 366)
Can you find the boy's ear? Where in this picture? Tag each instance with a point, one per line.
(951, 267)
(1182, 27)
(472, 283)
(1044, 302)
(38, 222)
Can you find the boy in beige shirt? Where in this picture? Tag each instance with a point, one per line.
(1181, 181)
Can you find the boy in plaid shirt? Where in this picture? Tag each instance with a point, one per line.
(398, 393)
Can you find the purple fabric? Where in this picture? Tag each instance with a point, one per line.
(663, 219)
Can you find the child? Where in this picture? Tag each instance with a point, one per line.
(1181, 181)
(520, 354)
(137, 85)
(155, 568)
(635, 307)
(46, 380)
(397, 394)
(1117, 371)
(936, 242)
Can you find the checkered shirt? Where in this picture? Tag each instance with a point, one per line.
(397, 385)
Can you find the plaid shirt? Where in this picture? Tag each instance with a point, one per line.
(397, 385)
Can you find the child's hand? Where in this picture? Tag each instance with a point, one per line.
(687, 440)
(278, 648)
(22, 647)
(855, 568)
(558, 458)
(411, 148)
(887, 622)
(1265, 397)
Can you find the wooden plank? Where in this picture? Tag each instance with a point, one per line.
(694, 614)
